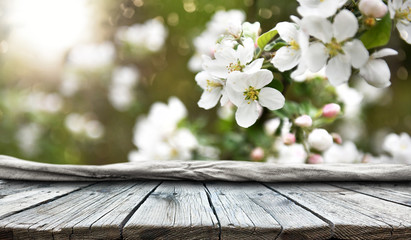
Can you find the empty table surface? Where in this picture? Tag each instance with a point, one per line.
(204, 210)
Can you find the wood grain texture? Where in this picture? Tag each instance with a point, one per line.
(75, 214)
(252, 211)
(175, 210)
(348, 223)
(395, 192)
(17, 195)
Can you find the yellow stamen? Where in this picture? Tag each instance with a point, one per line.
(251, 94)
(235, 67)
(294, 45)
(334, 48)
(211, 85)
(404, 14)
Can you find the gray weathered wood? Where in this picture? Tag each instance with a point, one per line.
(175, 210)
(395, 192)
(252, 211)
(347, 223)
(16, 195)
(74, 215)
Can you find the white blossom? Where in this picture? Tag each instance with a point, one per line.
(158, 136)
(346, 153)
(247, 92)
(121, 95)
(376, 71)
(28, 136)
(336, 50)
(213, 90)
(289, 56)
(149, 36)
(288, 154)
(320, 139)
(92, 56)
(373, 8)
(228, 60)
(205, 43)
(399, 146)
(400, 11)
(319, 8)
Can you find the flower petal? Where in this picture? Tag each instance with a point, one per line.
(271, 98)
(345, 25)
(236, 97)
(260, 78)
(377, 73)
(215, 68)
(287, 31)
(201, 79)
(384, 53)
(316, 57)
(338, 69)
(237, 81)
(318, 27)
(286, 58)
(209, 98)
(405, 31)
(245, 52)
(247, 114)
(254, 65)
(357, 52)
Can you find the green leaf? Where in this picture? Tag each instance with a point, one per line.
(277, 84)
(266, 38)
(274, 45)
(379, 34)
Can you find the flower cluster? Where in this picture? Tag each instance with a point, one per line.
(332, 42)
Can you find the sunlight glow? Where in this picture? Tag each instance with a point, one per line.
(48, 27)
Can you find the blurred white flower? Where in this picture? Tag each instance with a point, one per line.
(270, 126)
(399, 146)
(205, 43)
(226, 111)
(373, 8)
(158, 136)
(83, 124)
(320, 139)
(289, 154)
(124, 79)
(371, 94)
(247, 92)
(319, 8)
(400, 11)
(27, 137)
(150, 35)
(251, 30)
(351, 98)
(70, 83)
(337, 45)
(40, 101)
(345, 153)
(228, 60)
(92, 56)
(376, 71)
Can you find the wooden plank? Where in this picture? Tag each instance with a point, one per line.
(252, 211)
(347, 222)
(75, 214)
(389, 191)
(18, 195)
(175, 210)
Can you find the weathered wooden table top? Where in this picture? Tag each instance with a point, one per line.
(210, 210)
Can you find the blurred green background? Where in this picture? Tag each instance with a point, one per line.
(35, 41)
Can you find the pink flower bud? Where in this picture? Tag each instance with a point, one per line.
(315, 159)
(331, 110)
(257, 154)
(373, 8)
(289, 139)
(336, 138)
(304, 121)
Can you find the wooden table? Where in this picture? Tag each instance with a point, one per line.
(198, 210)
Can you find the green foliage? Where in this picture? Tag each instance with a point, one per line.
(266, 38)
(379, 34)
